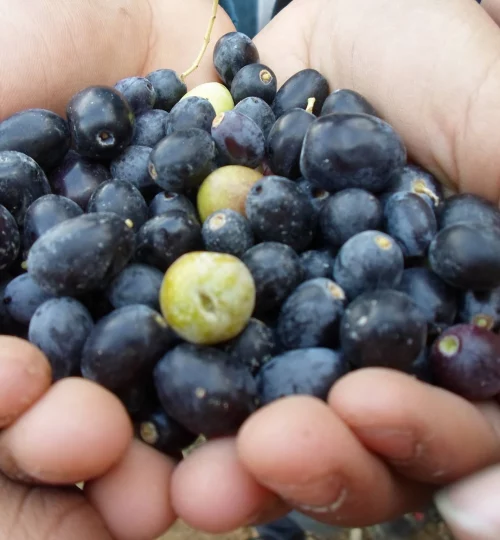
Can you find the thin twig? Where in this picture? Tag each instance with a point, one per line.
(206, 41)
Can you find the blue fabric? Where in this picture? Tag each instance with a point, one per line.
(247, 11)
(281, 529)
(228, 7)
(243, 13)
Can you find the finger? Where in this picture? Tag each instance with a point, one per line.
(77, 44)
(471, 506)
(75, 432)
(301, 450)
(133, 498)
(492, 7)
(58, 514)
(293, 44)
(211, 491)
(426, 433)
(25, 374)
(431, 69)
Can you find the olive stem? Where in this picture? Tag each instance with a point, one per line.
(421, 189)
(206, 41)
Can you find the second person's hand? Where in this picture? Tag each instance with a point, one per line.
(385, 442)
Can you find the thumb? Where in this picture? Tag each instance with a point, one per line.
(47, 54)
(430, 68)
(471, 507)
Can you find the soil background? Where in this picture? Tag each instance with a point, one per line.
(180, 531)
(431, 531)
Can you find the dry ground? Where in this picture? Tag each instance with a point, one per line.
(431, 532)
(181, 532)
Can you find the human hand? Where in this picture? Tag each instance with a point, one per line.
(62, 434)
(286, 448)
(67, 46)
(75, 430)
(471, 506)
(384, 443)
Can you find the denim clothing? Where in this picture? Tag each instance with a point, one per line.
(228, 7)
(243, 14)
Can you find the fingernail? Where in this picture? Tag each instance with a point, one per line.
(391, 443)
(325, 495)
(472, 506)
(327, 508)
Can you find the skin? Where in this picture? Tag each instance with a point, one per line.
(384, 442)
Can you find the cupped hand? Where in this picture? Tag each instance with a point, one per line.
(52, 437)
(51, 50)
(384, 442)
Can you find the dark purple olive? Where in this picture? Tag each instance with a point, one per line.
(284, 143)
(467, 256)
(155, 428)
(345, 100)
(22, 181)
(481, 308)
(139, 93)
(182, 160)
(239, 139)
(121, 198)
(465, 359)
(77, 178)
(299, 89)
(45, 213)
(168, 86)
(81, 254)
(43, 135)
(232, 52)
(9, 238)
(101, 122)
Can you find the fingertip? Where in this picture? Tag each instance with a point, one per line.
(302, 450)
(373, 389)
(290, 438)
(133, 497)
(89, 432)
(426, 433)
(25, 374)
(470, 506)
(213, 492)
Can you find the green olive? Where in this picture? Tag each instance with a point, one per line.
(226, 188)
(207, 298)
(218, 95)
